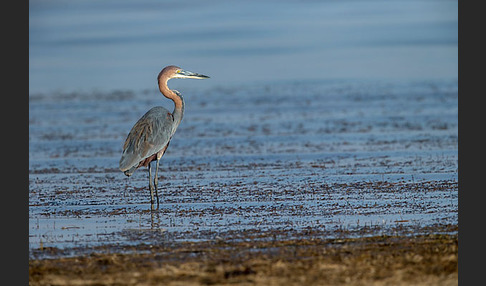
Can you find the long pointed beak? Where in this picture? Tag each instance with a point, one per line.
(189, 74)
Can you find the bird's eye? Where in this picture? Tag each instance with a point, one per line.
(178, 71)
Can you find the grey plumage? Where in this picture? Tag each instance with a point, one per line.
(149, 138)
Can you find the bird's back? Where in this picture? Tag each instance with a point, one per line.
(149, 135)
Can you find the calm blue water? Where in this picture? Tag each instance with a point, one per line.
(106, 45)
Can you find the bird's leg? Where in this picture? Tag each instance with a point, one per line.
(156, 181)
(151, 186)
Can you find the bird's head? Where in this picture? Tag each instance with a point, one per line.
(177, 72)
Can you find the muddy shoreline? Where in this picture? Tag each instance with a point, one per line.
(375, 260)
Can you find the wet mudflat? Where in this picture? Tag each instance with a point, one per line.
(383, 260)
(263, 175)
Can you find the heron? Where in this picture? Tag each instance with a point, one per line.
(150, 136)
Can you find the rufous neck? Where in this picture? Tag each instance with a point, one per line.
(167, 92)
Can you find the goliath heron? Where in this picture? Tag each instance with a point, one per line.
(150, 136)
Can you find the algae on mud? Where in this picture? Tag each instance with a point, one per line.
(377, 260)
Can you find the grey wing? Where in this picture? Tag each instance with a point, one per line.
(149, 135)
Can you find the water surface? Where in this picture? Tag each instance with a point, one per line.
(320, 156)
(329, 118)
(93, 45)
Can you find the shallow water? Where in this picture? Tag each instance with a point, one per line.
(325, 156)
